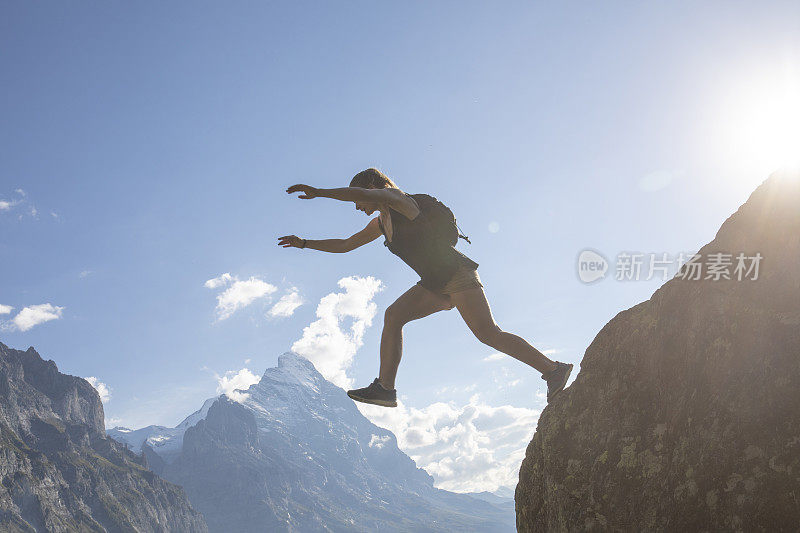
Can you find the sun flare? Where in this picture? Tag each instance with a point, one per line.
(762, 125)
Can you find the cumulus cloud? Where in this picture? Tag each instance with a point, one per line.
(467, 448)
(102, 389)
(287, 305)
(239, 294)
(497, 356)
(5, 309)
(219, 281)
(5, 205)
(327, 342)
(33, 315)
(233, 382)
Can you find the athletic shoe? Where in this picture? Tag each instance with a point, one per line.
(557, 379)
(375, 394)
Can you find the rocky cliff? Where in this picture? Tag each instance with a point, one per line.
(685, 415)
(58, 470)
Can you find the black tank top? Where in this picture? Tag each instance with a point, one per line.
(434, 261)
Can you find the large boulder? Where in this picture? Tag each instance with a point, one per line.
(685, 415)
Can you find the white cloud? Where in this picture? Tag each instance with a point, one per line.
(377, 441)
(240, 293)
(22, 200)
(233, 382)
(85, 273)
(325, 342)
(473, 447)
(287, 305)
(497, 356)
(113, 422)
(102, 389)
(33, 315)
(5, 309)
(219, 281)
(551, 351)
(454, 389)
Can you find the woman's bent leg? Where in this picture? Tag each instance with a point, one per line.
(474, 309)
(417, 302)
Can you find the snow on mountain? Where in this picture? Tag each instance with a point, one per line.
(295, 454)
(164, 441)
(197, 416)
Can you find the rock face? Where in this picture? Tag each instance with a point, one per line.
(295, 454)
(686, 413)
(58, 470)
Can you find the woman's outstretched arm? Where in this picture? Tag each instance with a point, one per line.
(345, 194)
(392, 197)
(337, 246)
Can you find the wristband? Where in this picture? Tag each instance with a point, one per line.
(304, 244)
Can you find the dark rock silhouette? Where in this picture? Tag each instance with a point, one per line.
(58, 470)
(686, 413)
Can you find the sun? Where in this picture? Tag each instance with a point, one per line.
(761, 124)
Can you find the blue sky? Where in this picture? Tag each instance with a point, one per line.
(145, 149)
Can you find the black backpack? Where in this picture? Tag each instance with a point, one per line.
(441, 218)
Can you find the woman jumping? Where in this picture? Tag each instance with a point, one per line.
(448, 279)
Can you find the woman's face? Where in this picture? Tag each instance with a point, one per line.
(367, 207)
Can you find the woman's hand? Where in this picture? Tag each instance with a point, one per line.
(307, 190)
(290, 241)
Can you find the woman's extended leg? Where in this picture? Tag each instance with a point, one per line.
(475, 311)
(416, 302)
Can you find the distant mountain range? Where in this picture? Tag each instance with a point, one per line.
(164, 442)
(297, 455)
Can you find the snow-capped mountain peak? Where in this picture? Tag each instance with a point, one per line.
(294, 368)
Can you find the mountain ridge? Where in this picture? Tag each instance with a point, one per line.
(59, 472)
(296, 454)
